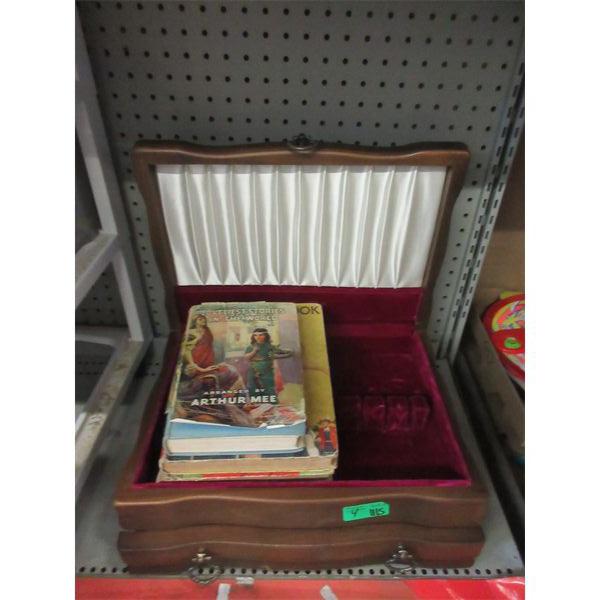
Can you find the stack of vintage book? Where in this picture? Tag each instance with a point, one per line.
(251, 397)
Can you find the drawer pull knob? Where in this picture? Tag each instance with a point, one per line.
(201, 559)
(402, 561)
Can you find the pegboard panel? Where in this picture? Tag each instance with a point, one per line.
(102, 305)
(372, 73)
(488, 212)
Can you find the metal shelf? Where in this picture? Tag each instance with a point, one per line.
(90, 262)
(509, 489)
(111, 246)
(93, 418)
(90, 362)
(97, 527)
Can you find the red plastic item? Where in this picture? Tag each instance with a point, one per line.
(504, 321)
(101, 588)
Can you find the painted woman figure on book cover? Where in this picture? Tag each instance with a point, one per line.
(199, 362)
(261, 354)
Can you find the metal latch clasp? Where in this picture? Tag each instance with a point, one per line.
(302, 143)
(402, 561)
(200, 559)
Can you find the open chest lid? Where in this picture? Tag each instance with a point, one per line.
(299, 214)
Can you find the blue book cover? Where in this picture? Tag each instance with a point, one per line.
(184, 456)
(183, 429)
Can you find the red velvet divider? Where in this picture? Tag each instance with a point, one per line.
(393, 426)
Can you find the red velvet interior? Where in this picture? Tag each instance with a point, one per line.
(380, 370)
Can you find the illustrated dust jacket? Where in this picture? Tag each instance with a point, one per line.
(240, 365)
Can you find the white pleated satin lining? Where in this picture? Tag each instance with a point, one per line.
(300, 225)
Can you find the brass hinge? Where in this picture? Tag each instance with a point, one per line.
(200, 559)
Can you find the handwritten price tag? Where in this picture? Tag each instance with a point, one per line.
(365, 511)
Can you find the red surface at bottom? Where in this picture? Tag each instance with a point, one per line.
(96, 588)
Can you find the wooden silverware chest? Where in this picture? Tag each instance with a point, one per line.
(361, 231)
